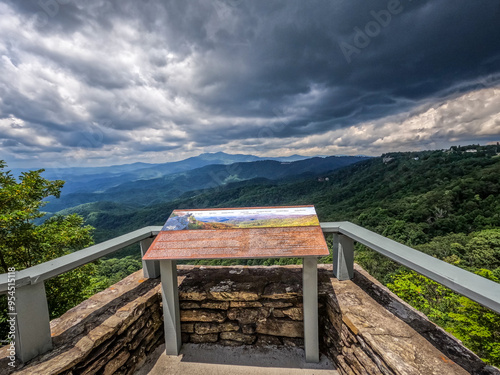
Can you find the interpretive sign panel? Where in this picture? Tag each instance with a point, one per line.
(261, 232)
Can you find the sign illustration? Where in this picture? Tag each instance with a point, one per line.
(261, 232)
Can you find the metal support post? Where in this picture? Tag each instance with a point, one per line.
(150, 268)
(32, 322)
(310, 300)
(171, 311)
(343, 257)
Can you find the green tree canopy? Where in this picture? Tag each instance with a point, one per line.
(24, 243)
(26, 239)
(476, 326)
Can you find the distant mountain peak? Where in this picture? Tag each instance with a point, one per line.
(214, 153)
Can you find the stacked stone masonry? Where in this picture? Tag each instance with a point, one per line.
(364, 328)
(242, 306)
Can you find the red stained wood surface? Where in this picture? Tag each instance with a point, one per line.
(279, 242)
(238, 243)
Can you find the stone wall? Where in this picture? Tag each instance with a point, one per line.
(115, 330)
(439, 338)
(110, 333)
(237, 306)
(366, 329)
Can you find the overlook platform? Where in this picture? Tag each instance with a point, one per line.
(237, 319)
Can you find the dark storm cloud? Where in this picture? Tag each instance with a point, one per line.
(205, 76)
(49, 16)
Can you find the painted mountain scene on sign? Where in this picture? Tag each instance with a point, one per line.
(242, 218)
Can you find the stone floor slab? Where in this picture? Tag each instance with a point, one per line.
(221, 360)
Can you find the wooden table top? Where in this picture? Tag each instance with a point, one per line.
(252, 232)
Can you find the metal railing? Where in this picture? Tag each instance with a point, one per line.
(32, 323)
(468, 284)
(32, 315)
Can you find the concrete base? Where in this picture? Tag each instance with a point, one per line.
(209, 359)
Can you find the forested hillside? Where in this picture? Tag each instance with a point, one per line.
(445, 203)
(440, 193)
(411, 197)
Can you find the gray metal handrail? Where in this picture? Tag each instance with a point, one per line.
(32, 316)
(58, 266)
(468, 284)
(32, 320)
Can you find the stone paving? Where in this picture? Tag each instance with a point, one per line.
(221, 360)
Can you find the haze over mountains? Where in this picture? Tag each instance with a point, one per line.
(421, 194)
(76, 176)
(143, 184)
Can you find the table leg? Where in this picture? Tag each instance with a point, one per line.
(171, 312)
(310, 299)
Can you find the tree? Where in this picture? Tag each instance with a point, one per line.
(476, 326)
(424, 294)
(484, 249)
(26, 240)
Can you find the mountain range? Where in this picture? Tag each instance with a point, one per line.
(413, 197)
(151, 184)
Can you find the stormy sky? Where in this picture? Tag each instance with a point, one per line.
(100, 82)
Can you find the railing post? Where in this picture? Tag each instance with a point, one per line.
(32, 322)
(171, 310)
(151, 268)
(310, 302)
(343, 257)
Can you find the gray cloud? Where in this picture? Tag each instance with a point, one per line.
(159, 80)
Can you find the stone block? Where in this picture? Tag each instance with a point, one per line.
(278, 304)
(247, 316)
(187, 327)
(204, 328)
(100, 334)
(282, 290)
(99, 357)
(134, 343)
(137, 326)
(157, 340)
(148, 340)
(294, 313)
(248, 329)
(228, 290)
(189, 305)
(222, 305)
(245, 304)
(85, 345)
(237, 336)
(275, 327)
(134, 309)
(229, 326)
(117, 362)
(278, 313)
(192, 293)
(199, 339)
(264, 340)
(200, 315)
